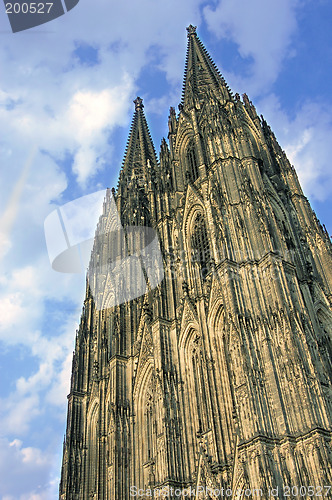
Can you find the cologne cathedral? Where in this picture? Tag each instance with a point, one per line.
(214, 378)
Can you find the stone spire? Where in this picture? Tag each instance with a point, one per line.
(201, 74)
(138, 173)
(140, 150)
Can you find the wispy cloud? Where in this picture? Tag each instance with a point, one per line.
(306, 140)
(262, 31)
(31, 465)
(8, 218)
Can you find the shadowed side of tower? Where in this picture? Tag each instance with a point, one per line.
(219, 375)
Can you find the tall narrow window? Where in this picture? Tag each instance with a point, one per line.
(149, 427)
(93, 451)
(197, 391)
(200, 391)
(192, 162)
(200, 246)
(149, 432)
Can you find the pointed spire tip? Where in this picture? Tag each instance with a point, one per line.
(138, 103)
(191, 30)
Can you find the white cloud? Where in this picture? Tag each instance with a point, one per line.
(22, 310)
(25, 471)
(262, 31)
(79, 126)
(39, 379)
(306, 140)
(10, 310)
(46, 388)
(8, 218)
(24, 291)
(33, 456)
(60, 383)
(17, 413)
(5, 244)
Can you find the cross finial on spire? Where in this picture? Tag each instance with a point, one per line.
(191, 30)
(138, 103)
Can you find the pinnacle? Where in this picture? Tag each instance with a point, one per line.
(201, 72)
(139, 140)
(191, 30)
(138, 103)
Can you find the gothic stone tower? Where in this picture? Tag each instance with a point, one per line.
(220, 375)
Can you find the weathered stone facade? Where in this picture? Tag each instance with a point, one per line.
(221, 375)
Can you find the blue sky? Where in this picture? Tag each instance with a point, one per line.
(66, 95)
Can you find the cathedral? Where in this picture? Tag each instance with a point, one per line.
(203, 359)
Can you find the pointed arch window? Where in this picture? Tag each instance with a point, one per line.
(192, 163)
(200, 246)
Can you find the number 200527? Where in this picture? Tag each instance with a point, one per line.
(29, 8)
